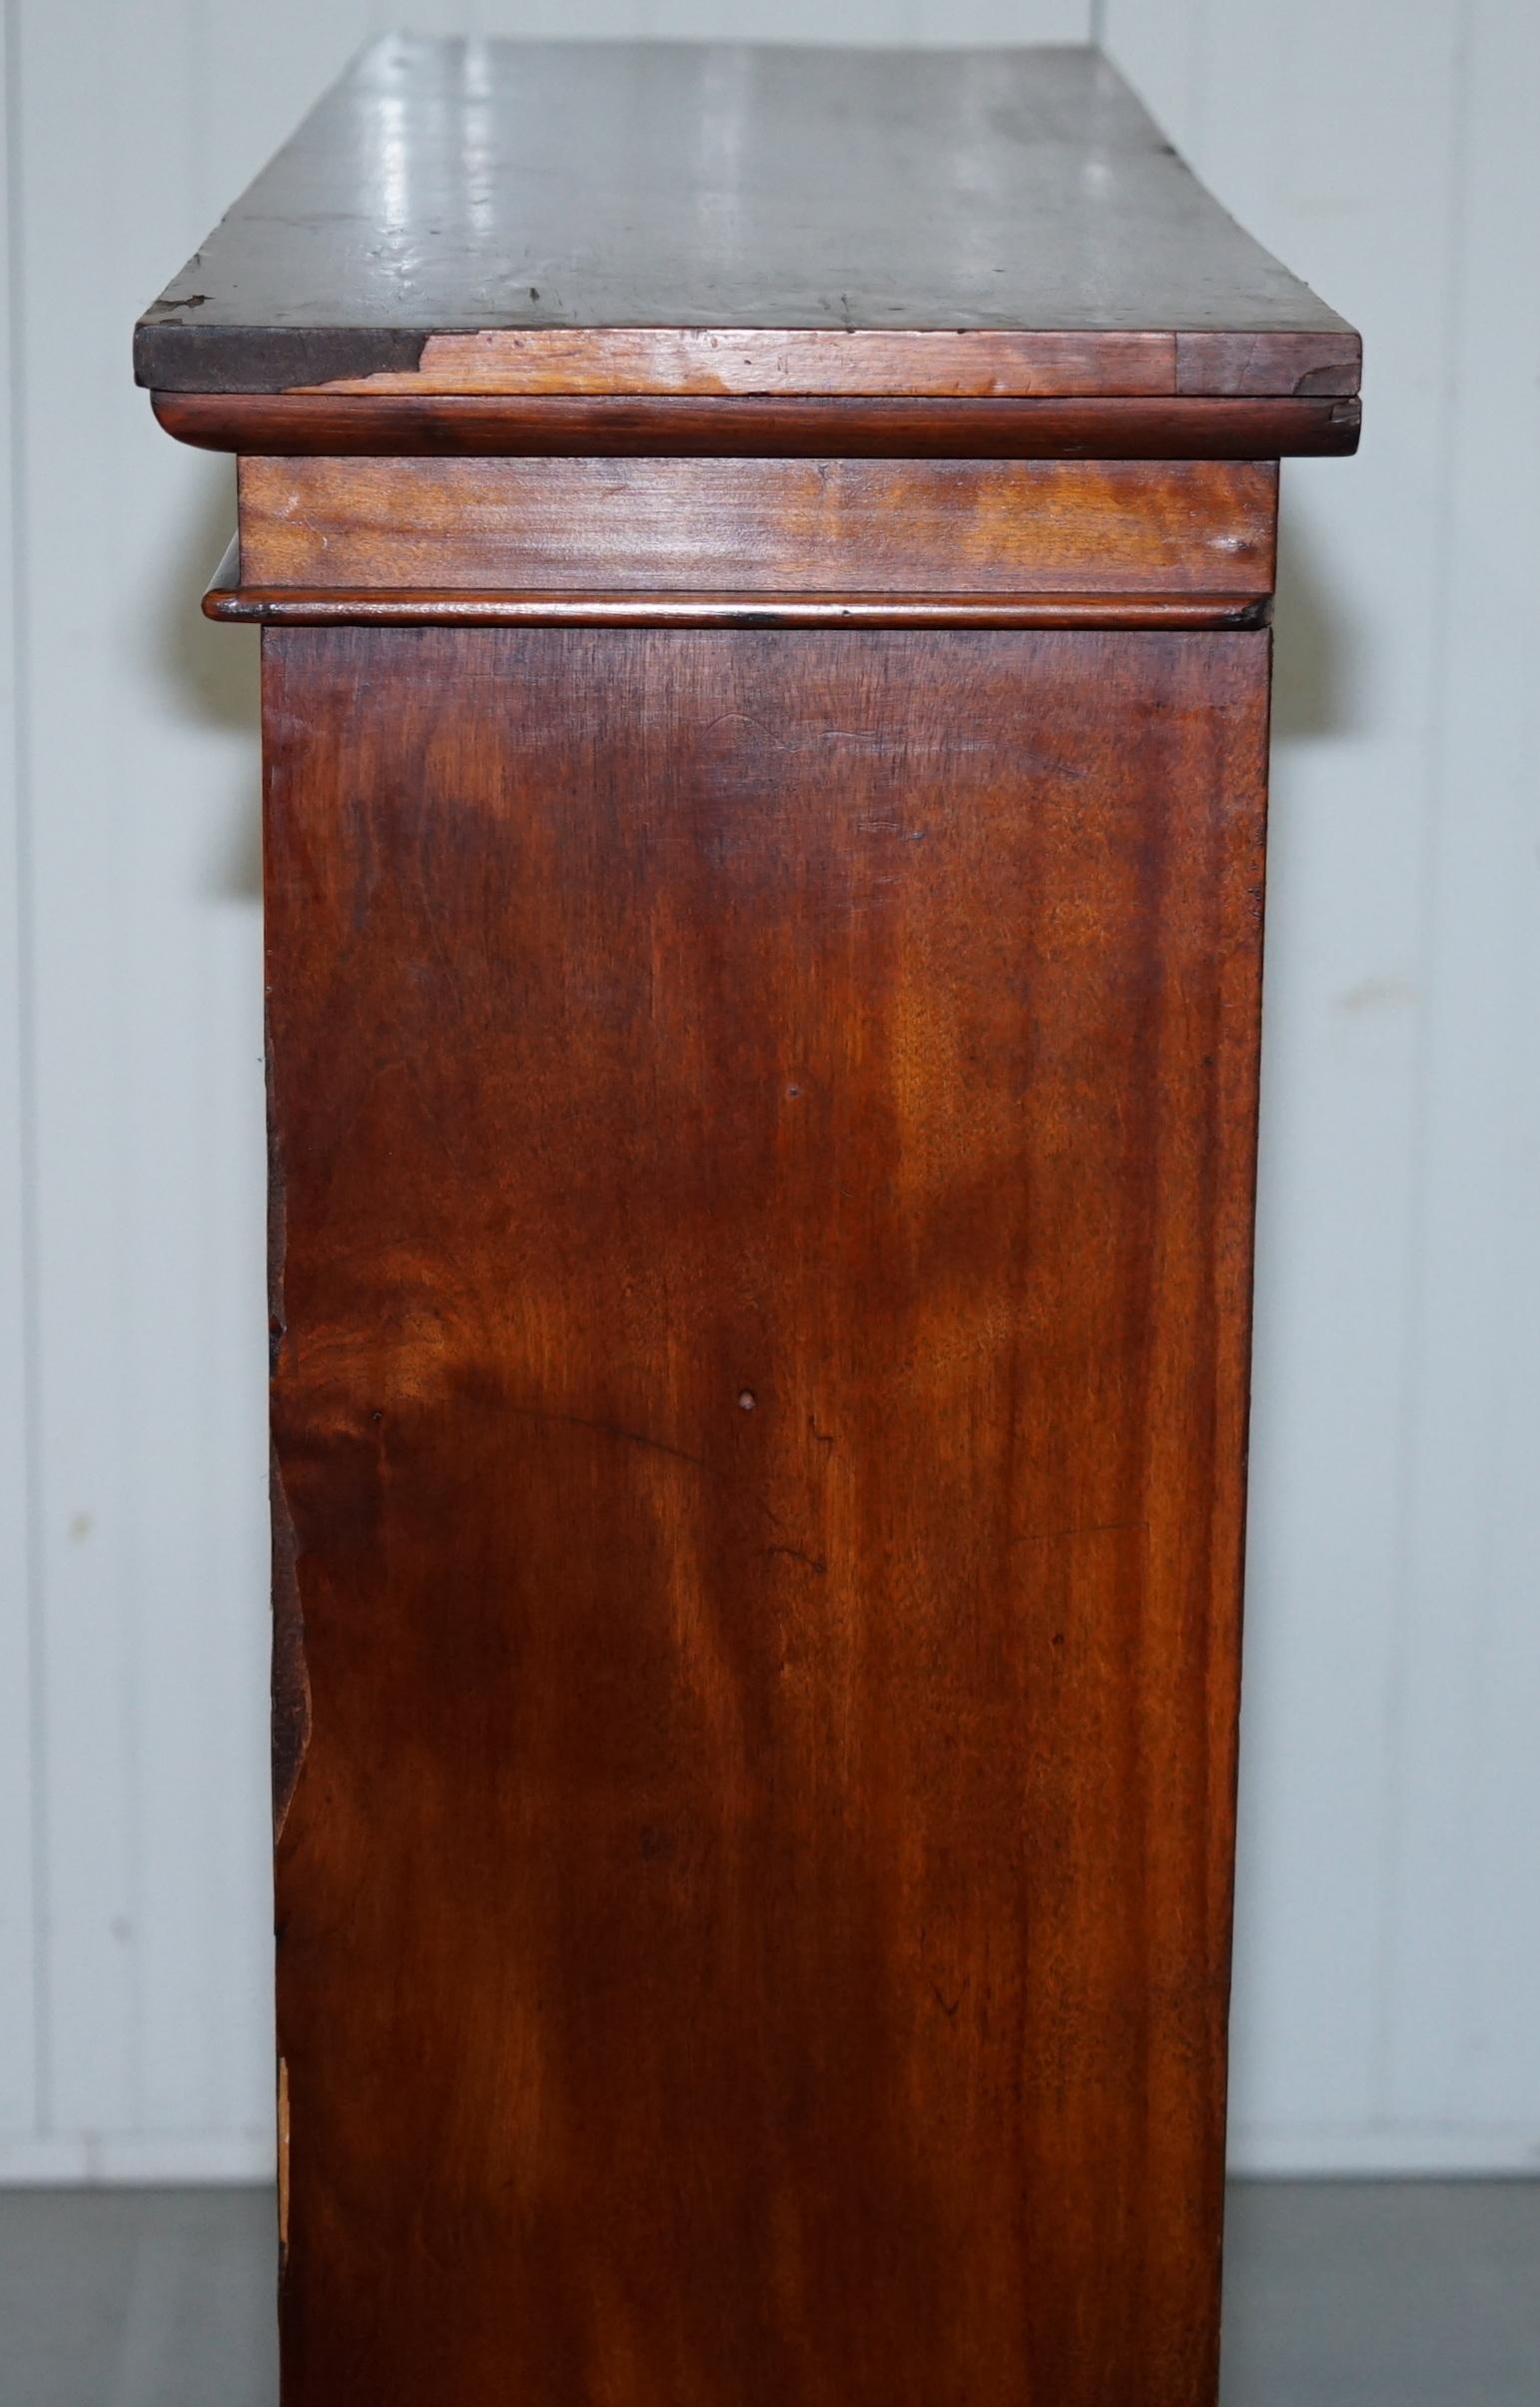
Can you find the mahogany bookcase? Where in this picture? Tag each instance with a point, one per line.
(764, 558)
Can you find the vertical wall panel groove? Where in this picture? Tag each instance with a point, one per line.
(23, 2014)
(1444, 543)
(1386, 1952)
(1461, 1939)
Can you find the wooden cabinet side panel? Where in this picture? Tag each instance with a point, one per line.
(765, 1127)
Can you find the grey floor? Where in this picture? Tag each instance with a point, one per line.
(1343, 2294)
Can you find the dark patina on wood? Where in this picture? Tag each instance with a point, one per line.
(764, 583)
(667, 219)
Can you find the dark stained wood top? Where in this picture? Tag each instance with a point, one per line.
(479, 217)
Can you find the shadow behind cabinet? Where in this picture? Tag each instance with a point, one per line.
(765, 561)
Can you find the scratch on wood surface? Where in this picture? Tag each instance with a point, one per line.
(291, 1682)
(796, 1554)
(1088, 1529)
(628, 1437)
(283, 2157)
(290, 1671)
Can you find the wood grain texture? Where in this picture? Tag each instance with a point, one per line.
(660, 427)
(851, 528)
(765, 1127)
(750, 360)
(633, 218)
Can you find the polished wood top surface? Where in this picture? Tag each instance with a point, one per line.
(480, 217)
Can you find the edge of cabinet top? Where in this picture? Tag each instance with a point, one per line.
(548, 217)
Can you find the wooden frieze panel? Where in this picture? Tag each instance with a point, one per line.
(741, 525)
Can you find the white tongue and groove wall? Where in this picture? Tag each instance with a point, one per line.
(1388, 1945)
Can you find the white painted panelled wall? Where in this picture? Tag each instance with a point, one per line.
(1389, 1914)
